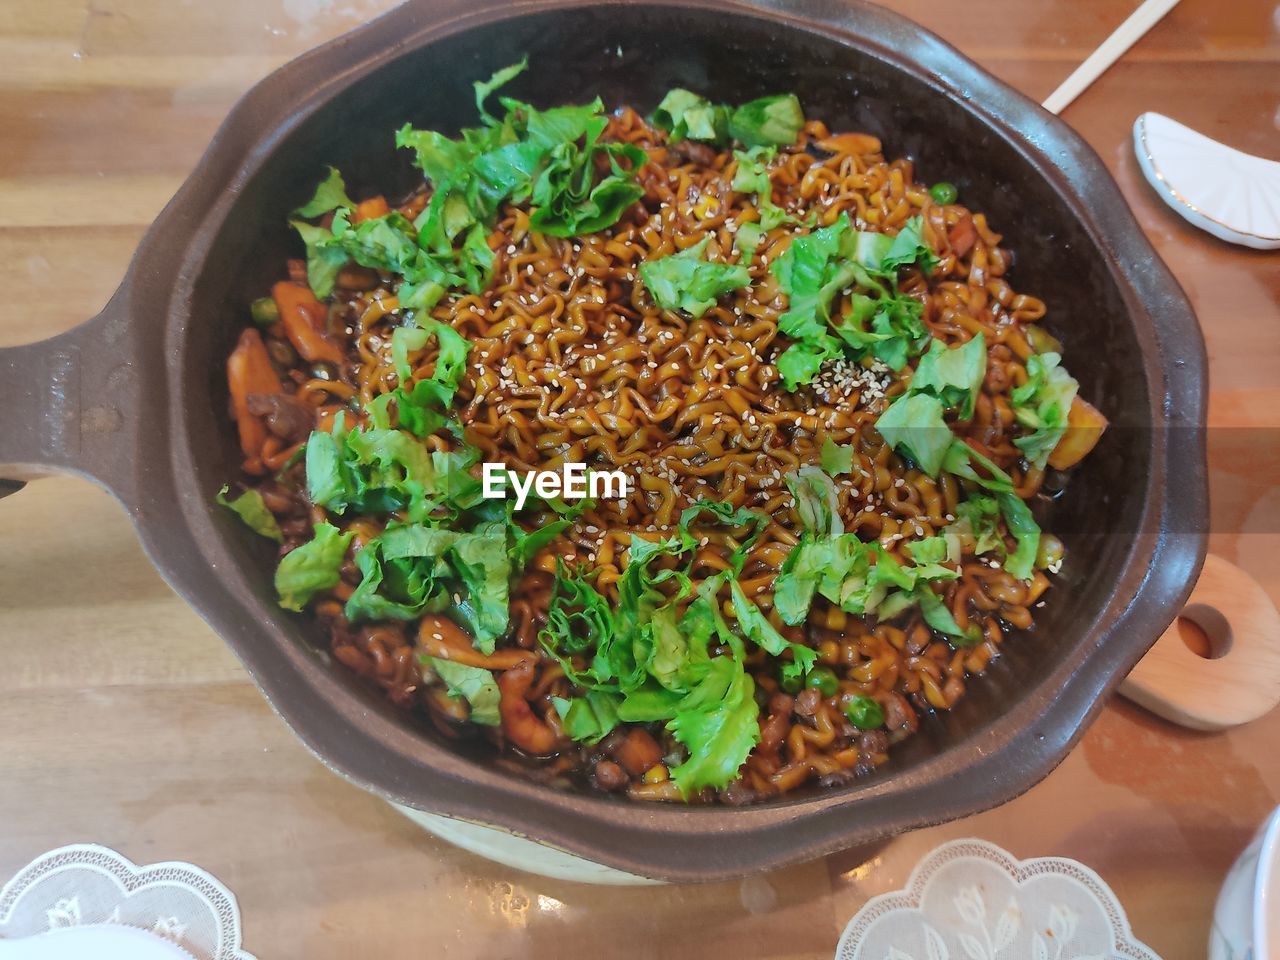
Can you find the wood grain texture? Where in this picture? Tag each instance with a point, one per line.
(1237, 678)
(126, 721)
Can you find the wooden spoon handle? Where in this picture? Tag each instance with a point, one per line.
(1241, 680)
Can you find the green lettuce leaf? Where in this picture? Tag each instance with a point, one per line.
(836, 458)
(475, 684)
(685, 281)
(588, 718)
(816, 499)
(772, 121)
(330, 194)
(913, 426)
(726, 515)
(811, 271)
(953, 375)
(580, 620)
(421, 408)
(311, 567)
(568, 198)
(801, 361)
(687, 116)
(752, 176)
(1042, 404)
(977, 520)
(485, 88)
(768, 121)
(718, 722)
(325, 257)
(879, 322)
(485, 569)
(1025, 531)
(747, 240)
(404, 573)
(757, 628)
(908, 248)
(252, 509)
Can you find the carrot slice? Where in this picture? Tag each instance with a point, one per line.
(854, 144)
(963, 236)
(249, 371)
(370, 209)
(438, 636)
(304, 319)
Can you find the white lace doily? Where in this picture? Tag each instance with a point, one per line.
(85, 884)
(971, 900)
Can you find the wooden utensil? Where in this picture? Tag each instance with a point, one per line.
(1110, 50)
(1240, 681)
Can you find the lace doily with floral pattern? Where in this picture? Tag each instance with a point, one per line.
(971, 900)
(86, 884)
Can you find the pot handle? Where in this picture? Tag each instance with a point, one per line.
(1237, 678)
(71, 405)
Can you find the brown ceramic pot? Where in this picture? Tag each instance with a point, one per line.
(136, 399)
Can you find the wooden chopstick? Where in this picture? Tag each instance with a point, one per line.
(1111, 50)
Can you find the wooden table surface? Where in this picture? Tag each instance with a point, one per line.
(125, 721)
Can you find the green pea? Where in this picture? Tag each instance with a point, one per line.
(790, 681)
(824, 679)
(864, 713)
(264, 311)
(944, 192)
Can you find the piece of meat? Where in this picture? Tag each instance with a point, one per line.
(807, 702)
(610, 776)
(524, 728)
(285, 416)
(898, 715)
(692, 152)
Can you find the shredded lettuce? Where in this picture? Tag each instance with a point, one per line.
(860, 578)
(371, 470)
(718, 722)
(330, 194)
(945, 378)
(685, 281)
(1042, 404)
(311, 567)
(913, 425)
(1025, 531)
(879, 321)
(421, 408)
(725, 515)
(551, 159)
(687, 116)
(752, 176)
(767, 121)
(977, 522)
(475, 684)
(816, 500)
(836, 459)
(587, 718)
(863, 578)
(756, 627)
(642, 662)
(252, 509)
(953, 375)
